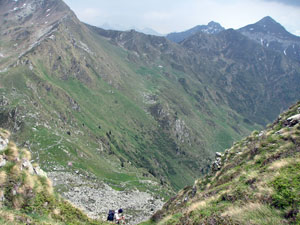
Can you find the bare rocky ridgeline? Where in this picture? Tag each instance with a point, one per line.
(97, 198)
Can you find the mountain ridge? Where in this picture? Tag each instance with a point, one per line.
(272, 35)
(211, 28)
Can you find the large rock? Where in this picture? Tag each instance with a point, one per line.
(39, 172)
(3, 143)
(2, 161)
(293, 120)
(26, 164)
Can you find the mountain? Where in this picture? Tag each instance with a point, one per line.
(146, 30)
(123, 118)
(211, 28)
(246, 72)
(272, 35)
(256, 181)
(150, 31)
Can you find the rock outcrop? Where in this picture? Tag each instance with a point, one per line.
(293, 120)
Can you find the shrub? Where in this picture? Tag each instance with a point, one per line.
(287, 187)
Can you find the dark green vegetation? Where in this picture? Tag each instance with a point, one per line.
(27, 197)
(129, 107)
(258, 183)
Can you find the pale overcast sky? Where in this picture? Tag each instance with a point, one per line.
(167, 16)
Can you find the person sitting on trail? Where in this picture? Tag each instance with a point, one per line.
(119, 216)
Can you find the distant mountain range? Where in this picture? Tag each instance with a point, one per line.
(211, 28)
(145, 30)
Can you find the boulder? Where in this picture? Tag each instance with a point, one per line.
(219, 154)
(295, 117)
(3, 143)
(39, 171)
(293, 120)
(26, 164)
(2, 161)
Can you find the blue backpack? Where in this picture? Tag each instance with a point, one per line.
(111, 215)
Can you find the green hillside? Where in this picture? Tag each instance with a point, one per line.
(27, 195)
(134, 111)
(257, 183)
(131, 119)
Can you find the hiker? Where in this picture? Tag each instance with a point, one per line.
(111, 215)
(120, 219)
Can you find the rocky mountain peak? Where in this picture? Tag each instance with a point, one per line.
(268, 25)
(36, 6)
(267, 20)
(211, 28)
(24, 23)
(273, 35)
(216, 26)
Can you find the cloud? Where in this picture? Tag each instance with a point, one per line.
(177, 15)
(286, 2)
(89, 13)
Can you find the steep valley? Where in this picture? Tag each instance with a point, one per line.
(123, 112)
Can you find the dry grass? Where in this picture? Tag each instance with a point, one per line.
(197, 205)
(3, 177)
(7, 216)
(29, 181)
(237, 210)
(201, 204)
(254, 213)
(15, 171)
(263, 189)
(4, 133)
(56, 212)
(38, 185)
(49, 186)
(18, 201)
(26, 154)
(12, 153)
(164, 220)
(279, 164)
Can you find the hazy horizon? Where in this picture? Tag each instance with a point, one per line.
(175, 16)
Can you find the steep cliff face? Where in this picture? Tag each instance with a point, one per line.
(255, 181)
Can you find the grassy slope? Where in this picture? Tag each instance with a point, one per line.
(258, 183)
(109, 94)
(28, 198)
